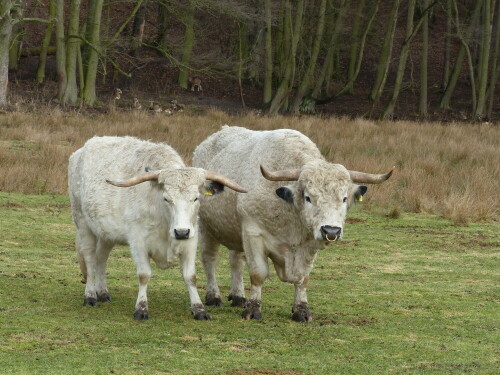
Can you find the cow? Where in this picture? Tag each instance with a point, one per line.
(112, 204)
(287, 223)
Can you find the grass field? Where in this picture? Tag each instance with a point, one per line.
(408, 295)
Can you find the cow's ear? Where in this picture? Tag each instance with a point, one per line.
(285, 193)
(360, 191)
(212, 188)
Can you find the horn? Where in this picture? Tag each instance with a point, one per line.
(148, 176)
(217, 177)
(368, 178)
(285, 175)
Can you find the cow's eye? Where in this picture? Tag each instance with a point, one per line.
(167, 201)
(344, 200)
(195, 199)
(307, 199)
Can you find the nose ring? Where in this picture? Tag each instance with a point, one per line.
(329, 240)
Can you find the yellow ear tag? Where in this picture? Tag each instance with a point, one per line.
(208, 192)
(360, 198)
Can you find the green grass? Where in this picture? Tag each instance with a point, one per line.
(413, 295)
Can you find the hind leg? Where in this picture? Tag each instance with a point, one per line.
(237, 294)
(86, 248)
(102, 253)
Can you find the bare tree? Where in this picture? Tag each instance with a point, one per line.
(5, 36)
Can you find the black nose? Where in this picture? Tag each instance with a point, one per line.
(181, 234)
(330, 233)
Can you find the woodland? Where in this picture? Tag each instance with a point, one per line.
(387, 59)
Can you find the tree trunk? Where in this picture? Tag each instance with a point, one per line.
(495, 62)
(162, 26)
(354, 47)
(40, 73)
(268, 75)
(72, 46)
(18, 31)
(423, 61)
(447, 44)
(281, 96)
(385, 55)
(138, 29)
(189, 39)
(5, 36)
(89, 92)
(483, 60)
(305, 85)
(327, 68)
(403, 57)
(60, 50)
(457, 68)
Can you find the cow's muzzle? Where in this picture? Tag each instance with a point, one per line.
(181, 234)
(330, 233)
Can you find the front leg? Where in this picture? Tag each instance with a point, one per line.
(237, 294)
(300, 310)
(188, 258)
(143, 275)
(258, 267)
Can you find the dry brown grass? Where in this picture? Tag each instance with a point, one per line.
(450, 170)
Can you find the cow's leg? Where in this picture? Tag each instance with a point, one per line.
(102, 254)
(237, 295)
(144, 275)
(188, 259)
(209, 249)
(258, 268)
(86, 248)
(300, 310)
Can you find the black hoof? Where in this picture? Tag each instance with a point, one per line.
(89, 301)
(199, 312)
(141, 314)
(237, 301)
(212, 300)
(301, 313)
(104, 297)
(252, 311)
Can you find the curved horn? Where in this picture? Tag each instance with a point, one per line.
(217, 177)
(368, 178)
(148, 176)
(285, 175)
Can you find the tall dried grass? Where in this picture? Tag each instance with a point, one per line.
(451, 170)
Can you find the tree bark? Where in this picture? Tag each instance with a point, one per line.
(5, 36)
(189, 39)
(385, 55)
(280, 97)
(495, 62)
(268, 75)
(72, 47)
(403, 57)
(353, 55)
(306, 84)
(457, 68)
(89, 92)
(17, 36)
(423, 61)
(138, 29)
(42, 62)
(60, 50)
(327, 68)
(484, 60)
(447, 44)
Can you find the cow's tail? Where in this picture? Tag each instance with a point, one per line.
(83, 265)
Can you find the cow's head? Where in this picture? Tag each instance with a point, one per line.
(180, 189)
(322, 192)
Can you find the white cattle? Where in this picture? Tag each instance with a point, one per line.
(288, 224)
(157, 219)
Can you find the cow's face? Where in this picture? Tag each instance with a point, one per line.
(322, 195)
(181, 189)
